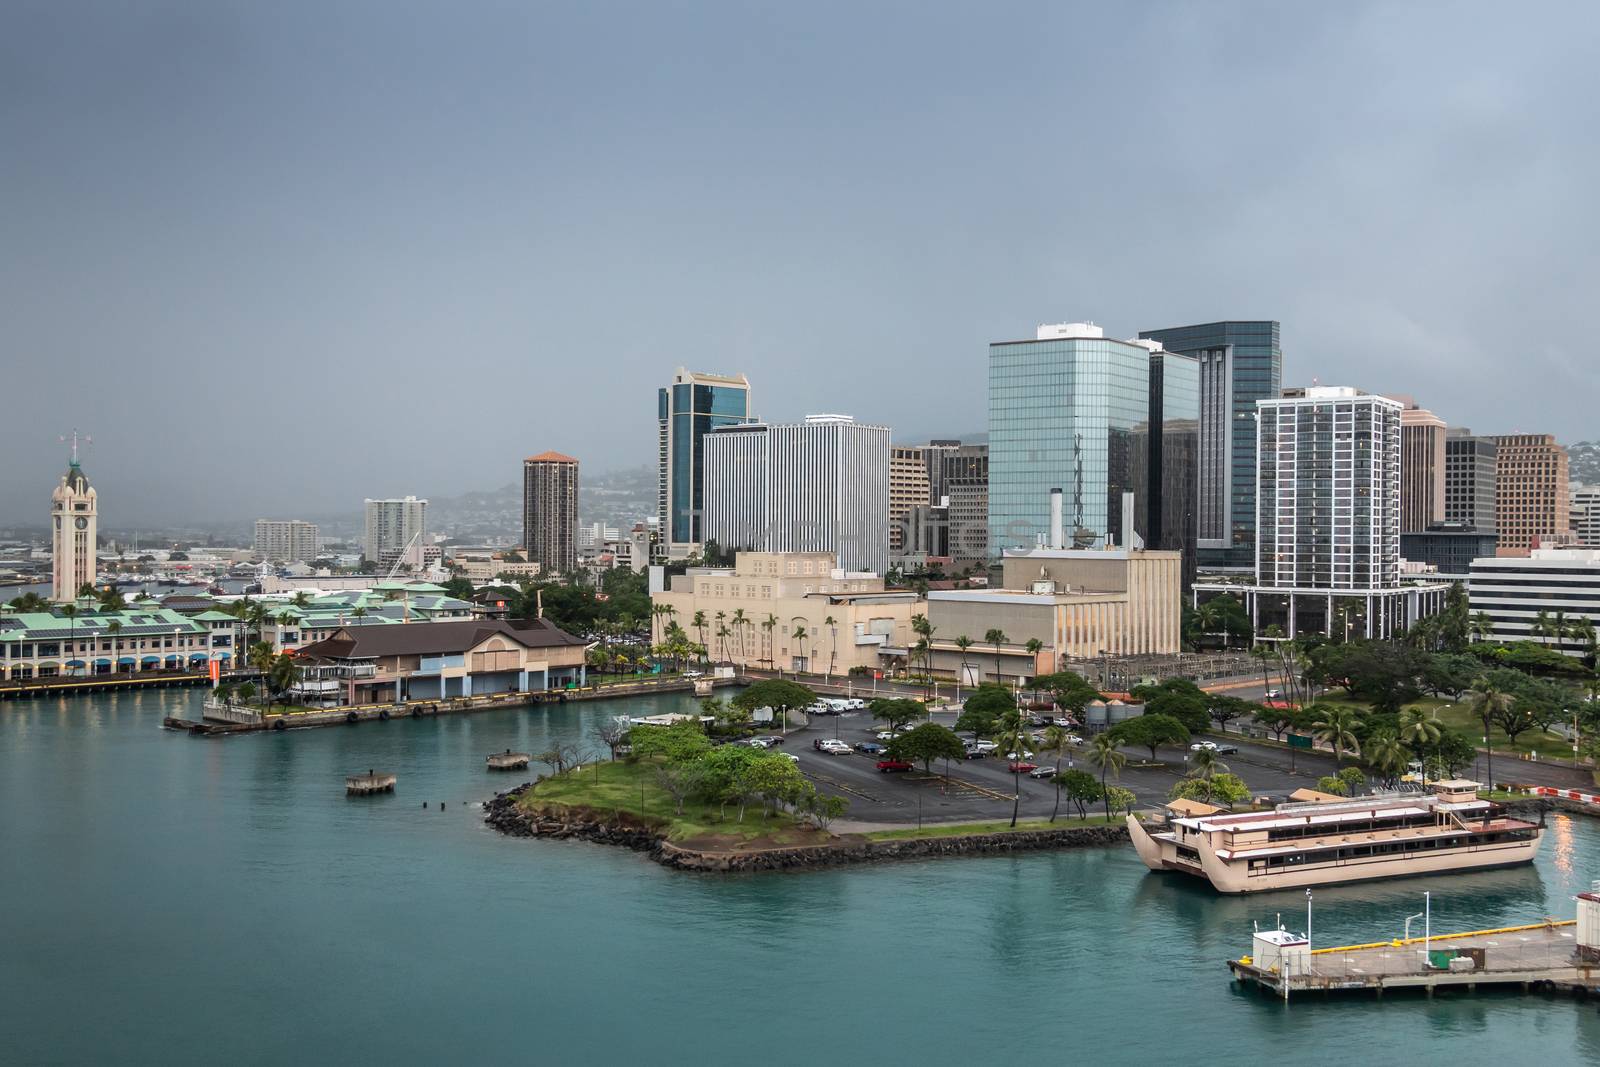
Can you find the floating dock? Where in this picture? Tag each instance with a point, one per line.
(508, 761)
(362, 785)
(1550, 955)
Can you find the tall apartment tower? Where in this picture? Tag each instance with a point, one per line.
(550, 512)
(1422, 467)
(817, 486)
(1531, 492)
(392, 525)
(1241, 362)
(1329, 490)
(964, 475)
(908, 488)
(287, 540)
(74, 525)
(1072, 410)
(1469, 479)
(688, 409)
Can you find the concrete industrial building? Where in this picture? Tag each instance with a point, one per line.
(74, 531)
(1531, 492)
(1097, 418)
(1241, 362)
(798, 592)
(686, 410)
(1078, 603)
(397, 525)
(287, 540)
(1422, 468)
(817, 486)
(1328, 506)
(1514, 591)
(550, 512)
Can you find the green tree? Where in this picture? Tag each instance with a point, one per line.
(1081, 788)
(1118, 799)
(833, 647)
(1353, 778)
(1150, 731)
(1204, 763)
(984, 708)
(1011, 735)
(996, 637)
(282, 673)
(963, 643)
(1069, 691)
(779, 694)
(1386, 756)
(926, 743)
(1491, 701)
(1337, 726)
(682, 742)
(1329, 783)
(1418, 731)
(896, 712)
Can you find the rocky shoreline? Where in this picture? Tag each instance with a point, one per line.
(619, 829)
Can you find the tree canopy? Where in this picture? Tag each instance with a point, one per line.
(1150, 731)
(926, 743)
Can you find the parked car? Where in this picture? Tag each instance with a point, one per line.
(767, 741)
(984, 747)
(790, 756)
(887, 765)
(1021, 767)
(1025, 754)
(834, 747)
(819, 742)
(1273, 694)
(1038, 720)
(1074, 739)
(1062, 721)
(871, 748)
(1042, 772)
(1220, 748)
(887, 735)
(854, 704)
(694, 674)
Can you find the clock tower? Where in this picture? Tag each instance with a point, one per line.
(73, 521)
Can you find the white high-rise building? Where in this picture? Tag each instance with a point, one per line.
(287, 540)
(1586, 515)
(391, 526)
(74, 522)
(818, 486)
(1328, 514)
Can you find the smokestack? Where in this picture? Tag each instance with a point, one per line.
(1057, 533)
(1130, 536)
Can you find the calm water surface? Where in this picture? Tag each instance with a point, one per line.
(169, 899)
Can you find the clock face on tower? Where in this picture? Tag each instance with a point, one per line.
(81, 522)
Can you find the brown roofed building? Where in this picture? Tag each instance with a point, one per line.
(550, 512)
(439, 660)
(1531, 495)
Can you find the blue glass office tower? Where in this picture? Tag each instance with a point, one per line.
(1077, 411)
(688, 409)
(1240, 363)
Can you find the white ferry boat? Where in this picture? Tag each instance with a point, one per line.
(1325, 840)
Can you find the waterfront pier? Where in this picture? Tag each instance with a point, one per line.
(1545, 956)
(508, 761)
(361, 785)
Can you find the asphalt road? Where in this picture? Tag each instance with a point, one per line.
(982, 789)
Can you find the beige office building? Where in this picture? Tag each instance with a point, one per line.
(908, 488)
(550, 512)
(775, 607)
(1531, 492)
(1078, 603)
(1422, 469)
(287, 540)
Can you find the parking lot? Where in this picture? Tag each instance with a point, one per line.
(982, 789)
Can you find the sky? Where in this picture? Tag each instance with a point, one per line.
(276, 258)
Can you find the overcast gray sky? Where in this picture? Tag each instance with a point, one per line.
(278, 257)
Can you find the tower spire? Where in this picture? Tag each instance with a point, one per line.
(76, 440)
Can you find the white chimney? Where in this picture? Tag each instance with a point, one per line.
(1057, 533)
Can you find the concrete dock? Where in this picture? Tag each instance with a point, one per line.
(508, 761)
(1546, 955)
(361, 785)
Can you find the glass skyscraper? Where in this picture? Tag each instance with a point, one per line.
(1077, 411)
(692, 406)
(1240, 363)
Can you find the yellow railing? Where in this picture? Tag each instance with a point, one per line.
(1401, 942)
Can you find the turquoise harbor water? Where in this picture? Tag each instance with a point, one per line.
(168, 899)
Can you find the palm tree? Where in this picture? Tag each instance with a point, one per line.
(698, 621)
(722, 638)
(996, 637)
(114, 629)
(1482, 626)
(1487, 705)
(1103, 754)
(1034, 647)
(799, 636)
(963, 643)
(833, 648)
(1207, 766)
(1054, 741)
(1387, 756)
(769, 624)
(740, 621)
(358, 612)
(281, 676)
(1011, 736)
(301, 599)
(1337, 727)
(1418, 731)
(1541, 625)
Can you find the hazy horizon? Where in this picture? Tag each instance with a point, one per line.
(279, 259)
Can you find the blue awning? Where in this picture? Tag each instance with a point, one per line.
(102, 663)
(224, 655)
(197, 657)
(75, 663)
(150, 659)
(128, 660)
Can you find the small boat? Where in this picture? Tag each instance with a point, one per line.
(1320, 839)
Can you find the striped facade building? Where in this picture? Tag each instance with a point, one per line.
(821, 485)
(1563, 584)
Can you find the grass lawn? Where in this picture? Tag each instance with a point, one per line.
(1457, 716)
(1064, 822)
(617, 786)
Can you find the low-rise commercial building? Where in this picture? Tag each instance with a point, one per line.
(438, 660)
(1562, 584)
(49, 644)
(795, 610)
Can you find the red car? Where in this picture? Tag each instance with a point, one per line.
(1021, 767)
(887, 765)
